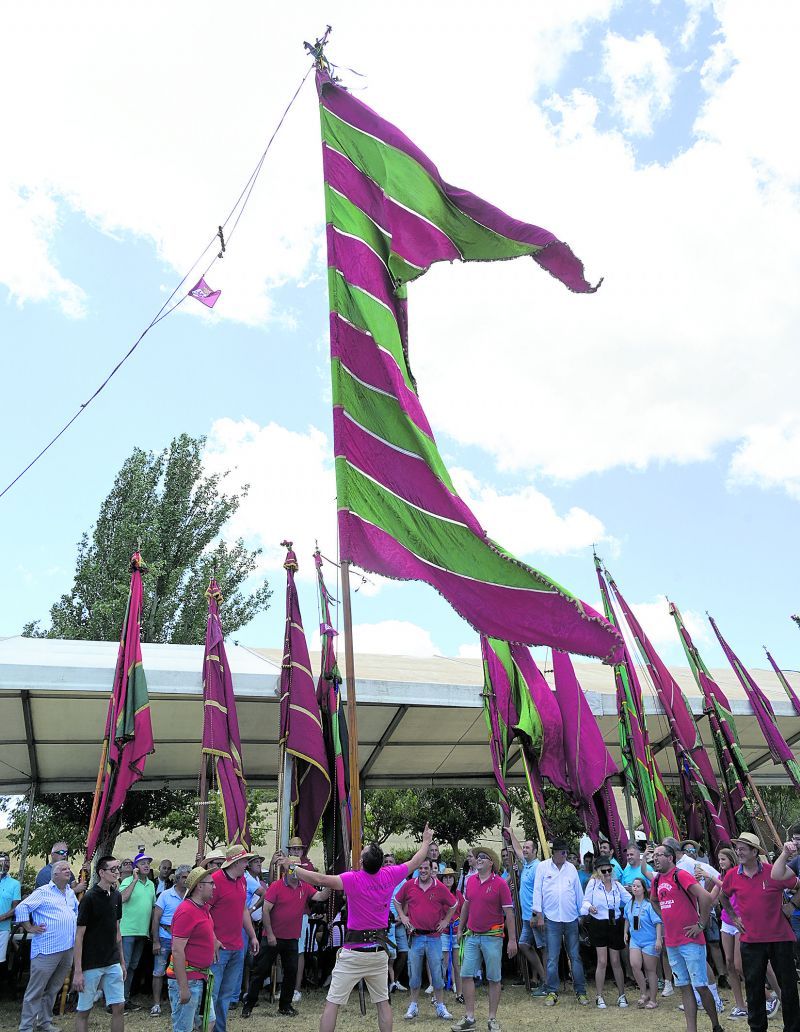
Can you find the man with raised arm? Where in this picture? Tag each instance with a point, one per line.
(530, 937)
(365, 950)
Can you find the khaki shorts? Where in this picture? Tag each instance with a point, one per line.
(353, 965)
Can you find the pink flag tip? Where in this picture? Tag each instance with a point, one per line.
(204, 294)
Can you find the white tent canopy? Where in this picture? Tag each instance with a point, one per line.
(420, 720)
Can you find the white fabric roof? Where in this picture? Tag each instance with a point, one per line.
(420, 720)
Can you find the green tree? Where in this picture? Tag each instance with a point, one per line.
(782, 803)
(455, 814)
(181, 822)
(164, 503)
(559, 816)
(386, 813)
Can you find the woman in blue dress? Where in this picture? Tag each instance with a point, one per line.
(644, 935)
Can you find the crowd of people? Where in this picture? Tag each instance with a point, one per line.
(667, 920)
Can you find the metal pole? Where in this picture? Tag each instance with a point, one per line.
(626, 791)
(286, 801)
(352, 719)
(202, 814)
(26, 834)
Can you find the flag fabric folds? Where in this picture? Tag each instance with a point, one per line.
(784, 682)
(300, 722)
(389, 217)
(764, 713)
(639, 767)
(589, 765)
(222, 743)
(204, 294)
(336, 818)
(694, 766)
(129, 730)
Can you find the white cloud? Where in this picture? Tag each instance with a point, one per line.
(393, 637)
(469, 651)
(660, 627)
(769, 457)
(641, 77)
(525, 521)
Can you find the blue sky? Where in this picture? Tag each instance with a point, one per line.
(657, 418)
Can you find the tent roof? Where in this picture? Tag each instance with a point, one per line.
(420, 720)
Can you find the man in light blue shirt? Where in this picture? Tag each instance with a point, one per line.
(605, 852)
(636, 867)
(557, 900)
(50, 915)
(10, 895)
(529, 936)
(161, 931)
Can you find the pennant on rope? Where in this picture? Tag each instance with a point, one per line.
(694, 766)
(204, 294)
(589, 765)
(300, 721)
(222, 743)
(129, 730)
(639, 767)
(762, 708)
(389, 217)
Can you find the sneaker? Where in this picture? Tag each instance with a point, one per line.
(773, 1003)
(600, 1002)
(551, 1000)
(247, 1009)
(493, 1025)
(460, 998)
(540, 991)
(297, 996)
(155, 1010)
(622, 1001)
(429, 990)
(287, 1012)
(737, 1012)
(668, 989)
(583, 999)
(399, 988)
(412, 1012)
(443, 1012)
(464, 1025)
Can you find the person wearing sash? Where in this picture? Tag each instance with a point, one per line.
(193, 948)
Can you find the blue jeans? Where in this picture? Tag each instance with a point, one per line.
(132, 947)
(566, 931)
(227, 984)
(425, 947)
(183, 1014)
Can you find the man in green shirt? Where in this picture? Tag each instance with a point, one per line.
(138, 899)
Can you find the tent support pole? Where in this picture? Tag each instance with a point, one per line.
(352, 719)
(26, 834)
(626, 791)
(202, 815)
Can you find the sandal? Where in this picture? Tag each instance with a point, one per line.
(641, 1001)
(650, 1005)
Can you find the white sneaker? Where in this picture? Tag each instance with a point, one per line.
(737, 1012)
(297, 996)
(155, 1010)
(601, 1003)
(772, 1006)
(622, 1001)
(429, 990)
(668, 989)
(412, 1012)
(443, 1012)
(398, 988)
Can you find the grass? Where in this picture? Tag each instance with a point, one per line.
(517, 1012)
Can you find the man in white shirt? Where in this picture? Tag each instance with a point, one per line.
(557, 899)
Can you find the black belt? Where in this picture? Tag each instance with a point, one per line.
(425, 931)
(366, 949)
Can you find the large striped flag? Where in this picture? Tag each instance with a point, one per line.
(697, 774)
(639, 767)
(590, 767)
(129, 730)
(389, 217)
(222, 743)
(300, 721)
(764, 713)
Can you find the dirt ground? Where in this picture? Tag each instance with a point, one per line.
(517, 1013)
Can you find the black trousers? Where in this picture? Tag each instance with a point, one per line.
(286, 949)
(755, 956)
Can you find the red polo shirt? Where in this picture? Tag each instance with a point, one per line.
(289, 903)
(425, 907)
(486, 901)
(758, 903)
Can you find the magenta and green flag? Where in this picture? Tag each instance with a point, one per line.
(639, 767)
(389, 217)
(336, 820)
(222, 743)
(762, 709)
(783, 680)
(590, 767)
(300, 721)
(129, 730)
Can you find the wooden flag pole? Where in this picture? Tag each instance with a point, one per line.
(352, 720)
(202, 815)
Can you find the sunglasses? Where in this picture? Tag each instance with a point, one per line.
(482, 856)
(112, 869)
(605, 870)
(61, 852)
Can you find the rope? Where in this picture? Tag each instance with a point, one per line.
(165, 310)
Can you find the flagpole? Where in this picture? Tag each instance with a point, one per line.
(202, 814)
(352, 719)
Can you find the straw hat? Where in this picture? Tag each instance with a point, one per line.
(296, 843)
(448, 871)
(236, 853)
(215, 854)
(194, 876)
(491, 854)
(749, 839)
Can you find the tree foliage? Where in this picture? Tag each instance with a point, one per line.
(455, 814)
(559, 816)
(782, 803)
(386, 813)
(181, 822)
(164, 503)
